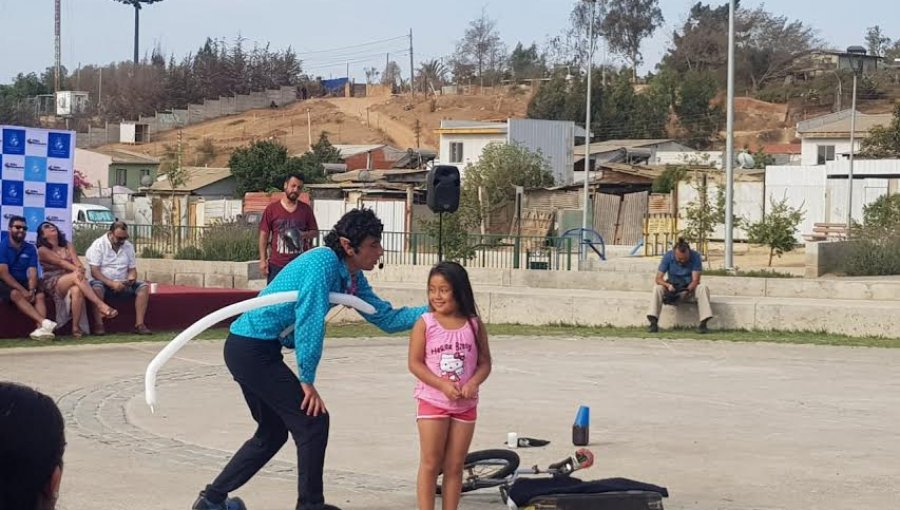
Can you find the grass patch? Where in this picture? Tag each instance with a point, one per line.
(367, 330)
(753, 273)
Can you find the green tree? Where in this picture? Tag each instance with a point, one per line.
(696, 115)
(500, 169)
(776, 229)
(479, 47)
(883, 213)
(526, 63)
(324, 151)
(883, 142)
(431, 76)
(259, 167)
(878, 43)
(137, 4)
(761, 159)
(627, 24)
(702, 216)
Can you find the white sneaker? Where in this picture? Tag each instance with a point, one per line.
(48, 326)
(41, 334)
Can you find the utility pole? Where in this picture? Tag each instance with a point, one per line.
(309, 129)
(729, 148)
(58, 44)
(412, 71)
(582, 252)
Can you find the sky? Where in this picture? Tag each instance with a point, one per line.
(328, 33)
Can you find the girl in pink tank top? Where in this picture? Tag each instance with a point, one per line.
(450, 357)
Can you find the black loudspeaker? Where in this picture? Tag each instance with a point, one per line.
(443, 189)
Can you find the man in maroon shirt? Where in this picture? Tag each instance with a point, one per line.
(284, 225)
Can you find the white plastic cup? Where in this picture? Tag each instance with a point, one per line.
(512, 440)
(153, 287)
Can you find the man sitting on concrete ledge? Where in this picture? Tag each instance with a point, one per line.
(678, 280)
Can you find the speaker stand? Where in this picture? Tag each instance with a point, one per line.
(440, 237)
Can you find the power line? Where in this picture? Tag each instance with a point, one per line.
(353, 46)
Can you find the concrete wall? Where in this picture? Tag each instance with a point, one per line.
(473, 145)
(825, 257)
(210, 109)
(809, 148)
(635, 281)
(94, 165)
(628, 309)
(199, 273)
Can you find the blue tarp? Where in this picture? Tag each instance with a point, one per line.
(335, 85)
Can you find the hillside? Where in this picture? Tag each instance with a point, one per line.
(367, 120)
(393, 120)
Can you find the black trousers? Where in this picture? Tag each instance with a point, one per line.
(273, 272)
(273, 394)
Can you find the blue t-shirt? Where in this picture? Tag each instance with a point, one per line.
(315, 274)
(18, 260)
(677, 273)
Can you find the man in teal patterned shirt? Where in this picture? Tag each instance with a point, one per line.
(279, 401)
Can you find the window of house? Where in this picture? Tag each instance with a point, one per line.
(456, 152)
(826, 153)
(121, 177)
(145, 172)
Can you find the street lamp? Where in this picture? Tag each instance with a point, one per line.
(729, 147)
(856, 54)
(582, 253)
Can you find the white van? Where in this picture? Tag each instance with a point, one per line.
(91, 214)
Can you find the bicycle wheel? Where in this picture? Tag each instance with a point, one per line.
(486, 468)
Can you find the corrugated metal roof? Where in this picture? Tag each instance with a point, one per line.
(352, 150)
(125, 157)
(614, 145)
(471, 124)
(838, 124)
(197, 177)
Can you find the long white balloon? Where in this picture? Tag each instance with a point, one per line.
(229, 311)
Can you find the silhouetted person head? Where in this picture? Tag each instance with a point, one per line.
(32, 441)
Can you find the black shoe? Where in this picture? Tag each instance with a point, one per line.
(324, 506)
(703, 329)
(229, 504)
(654, 324)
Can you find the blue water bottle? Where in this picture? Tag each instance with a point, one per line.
(582, 427)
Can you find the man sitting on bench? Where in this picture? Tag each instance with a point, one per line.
(678, 280)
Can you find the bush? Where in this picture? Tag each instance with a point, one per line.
(151, 253)
(875, 249)
(872, 254)
(668, 180)
(231, 242)
(83, 237)
(190, 253)
(883, 213)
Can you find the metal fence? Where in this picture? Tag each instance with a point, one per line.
(239, 242)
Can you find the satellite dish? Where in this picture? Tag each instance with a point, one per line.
(745, 160)
(146, 181)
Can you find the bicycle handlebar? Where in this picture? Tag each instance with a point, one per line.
(582, 459)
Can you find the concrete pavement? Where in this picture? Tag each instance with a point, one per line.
(722, 425)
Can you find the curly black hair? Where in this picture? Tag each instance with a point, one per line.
(355, 226)
(32, 443)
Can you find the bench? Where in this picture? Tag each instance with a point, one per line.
(172, 308)
(827, 232)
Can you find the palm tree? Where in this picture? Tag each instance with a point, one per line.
(432, 74)
(137, 9)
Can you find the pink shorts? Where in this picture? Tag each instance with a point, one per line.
(429, 411)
